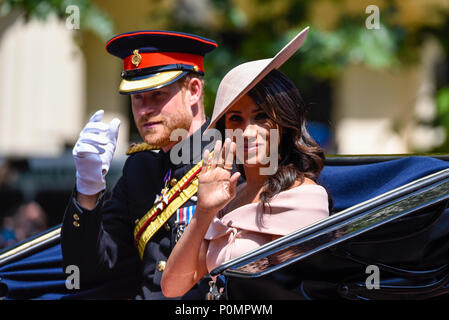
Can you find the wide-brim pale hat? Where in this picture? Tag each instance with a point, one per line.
(237, 82)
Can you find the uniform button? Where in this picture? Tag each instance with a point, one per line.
(161, 265)
(167, 227)
(173, 182)
(76, 217)
(76, 224)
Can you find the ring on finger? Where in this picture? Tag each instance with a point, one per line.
(229, 168)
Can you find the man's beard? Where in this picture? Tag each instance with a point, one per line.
(161, 136)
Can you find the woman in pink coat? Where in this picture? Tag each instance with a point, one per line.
(265, 115)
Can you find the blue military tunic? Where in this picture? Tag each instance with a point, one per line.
(101, 241)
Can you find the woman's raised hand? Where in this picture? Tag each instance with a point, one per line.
(217, 187)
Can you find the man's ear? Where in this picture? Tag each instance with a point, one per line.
(195, 90)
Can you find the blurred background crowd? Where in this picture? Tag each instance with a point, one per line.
(369, 90)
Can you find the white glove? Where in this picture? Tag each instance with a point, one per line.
(93, 153)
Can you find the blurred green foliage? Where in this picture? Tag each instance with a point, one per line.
(443, 105)
(442, 102)
(256, 29)
(91, 17)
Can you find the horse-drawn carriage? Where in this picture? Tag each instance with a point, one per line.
(388, 238)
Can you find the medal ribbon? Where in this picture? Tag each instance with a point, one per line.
(159, 214)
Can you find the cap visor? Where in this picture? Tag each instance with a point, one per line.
(150, 82)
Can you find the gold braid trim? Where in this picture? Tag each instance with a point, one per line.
(160, 219)
(137, 147)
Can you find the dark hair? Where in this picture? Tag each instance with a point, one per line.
(300, 156)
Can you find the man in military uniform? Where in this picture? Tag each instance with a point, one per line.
(131, 235)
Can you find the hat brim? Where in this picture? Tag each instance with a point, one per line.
(150, 82)
(244, 77)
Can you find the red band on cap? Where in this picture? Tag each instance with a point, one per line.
(154, 59)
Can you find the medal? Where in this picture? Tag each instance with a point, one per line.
(162, 198)
(183, 216)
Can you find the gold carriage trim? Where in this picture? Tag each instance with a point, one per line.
(161, 212)
(137, 147)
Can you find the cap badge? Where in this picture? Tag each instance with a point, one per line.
(137, 58)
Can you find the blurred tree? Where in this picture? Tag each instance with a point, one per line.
(91, 17)
(256, 29)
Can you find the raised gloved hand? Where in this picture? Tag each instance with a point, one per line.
(93, 153)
